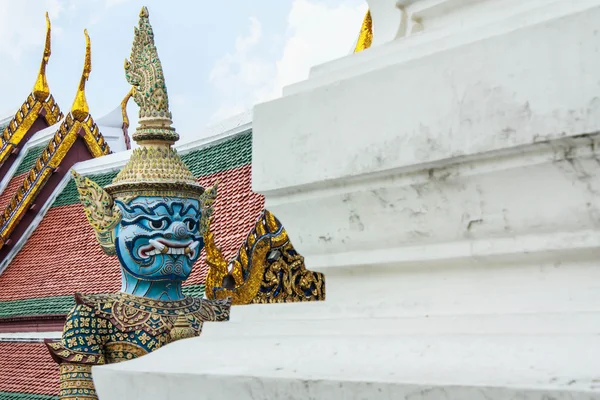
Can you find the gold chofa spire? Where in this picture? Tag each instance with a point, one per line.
(41, 91)
(124, 107)
(365, 36)
(155, 168)
(80, 109)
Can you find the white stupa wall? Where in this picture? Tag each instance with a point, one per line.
(112, 128)
(447, 183)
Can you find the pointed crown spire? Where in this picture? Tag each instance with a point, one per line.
(80, 109)
(41, 91)
(155, 168)
(144, 72)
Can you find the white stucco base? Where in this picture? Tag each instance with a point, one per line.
(425, 332)
(448, 185)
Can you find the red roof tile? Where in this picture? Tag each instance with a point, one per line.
(235, 212)
(28, 368)
(10, 190)
(62, 256)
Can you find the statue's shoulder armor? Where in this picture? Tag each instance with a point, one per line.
(128, 313)
(84, 335)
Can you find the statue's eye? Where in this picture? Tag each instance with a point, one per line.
(191, 225)
(161, 224)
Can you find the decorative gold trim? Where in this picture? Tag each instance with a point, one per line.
(365, 38)
(116, 352)
(76, 382)
(207, 200)
(53, 114)
(267, 268)
(158, 169)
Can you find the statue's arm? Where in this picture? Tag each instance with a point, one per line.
(80, 348)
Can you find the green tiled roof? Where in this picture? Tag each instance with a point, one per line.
(194, 290)
(39, 306)
(229, 154)
(4, 125)
(30, 158)
(61, 304)
(25, 396)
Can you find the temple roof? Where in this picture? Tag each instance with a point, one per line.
(40, 168)
(58, 259)
(39, 279)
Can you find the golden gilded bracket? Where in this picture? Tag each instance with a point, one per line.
(267, 269)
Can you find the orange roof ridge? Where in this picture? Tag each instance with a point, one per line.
(77, 123)
(39, 103)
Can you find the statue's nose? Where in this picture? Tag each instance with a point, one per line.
(179, 230)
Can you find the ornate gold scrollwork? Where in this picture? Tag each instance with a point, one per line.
(267, 269)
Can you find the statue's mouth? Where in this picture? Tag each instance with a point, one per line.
(164, 246)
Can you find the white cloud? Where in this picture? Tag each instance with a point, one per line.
(319, 34)
(16, 40)
(236, 76)
(316, 33)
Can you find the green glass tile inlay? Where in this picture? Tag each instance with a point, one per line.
(61, 305)
(25, 396)
(38, 306)
(69, 194)
(29, 160)
(3, 126)
(231, 153)
(194, 290)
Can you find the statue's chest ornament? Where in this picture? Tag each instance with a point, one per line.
(130, 313)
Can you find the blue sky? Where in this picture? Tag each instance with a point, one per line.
(219, 57)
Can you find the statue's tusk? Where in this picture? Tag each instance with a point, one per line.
(157, 245)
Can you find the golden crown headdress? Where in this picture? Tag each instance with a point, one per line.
(155, 168)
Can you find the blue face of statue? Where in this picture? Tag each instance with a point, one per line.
(157, 238)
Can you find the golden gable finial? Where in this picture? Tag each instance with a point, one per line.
(80, 109)
(41, 91)
(365, 37)
(124, 107)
